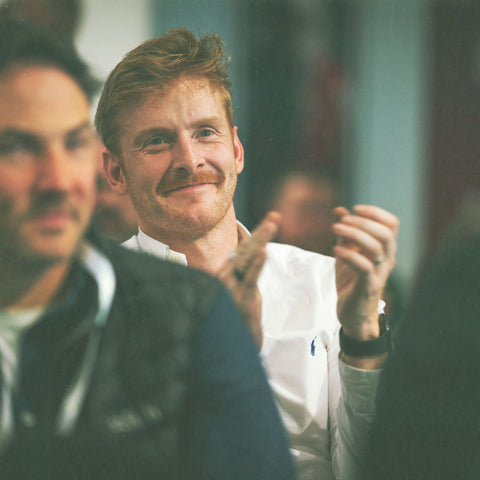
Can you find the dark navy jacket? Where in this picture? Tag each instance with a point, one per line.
(177, 389)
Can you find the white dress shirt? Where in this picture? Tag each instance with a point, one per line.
(326, 406)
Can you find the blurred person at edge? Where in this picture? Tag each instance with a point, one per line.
(165, 117)
(114, 365)
(428, 419)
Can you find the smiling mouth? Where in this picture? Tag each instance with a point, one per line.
(190, 186)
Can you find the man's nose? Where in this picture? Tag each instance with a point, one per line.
(54, 172)
(186, 156)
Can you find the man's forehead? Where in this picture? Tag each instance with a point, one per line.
(189, 89)
(192, 83)
(12, 130)
(29, 71)
(41, 99)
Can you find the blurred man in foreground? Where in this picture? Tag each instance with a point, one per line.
(165, 116)
(113, 365)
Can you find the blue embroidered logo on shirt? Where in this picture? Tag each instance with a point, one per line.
(313, 346)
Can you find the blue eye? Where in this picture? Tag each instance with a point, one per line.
(156, 141)
(206, 133)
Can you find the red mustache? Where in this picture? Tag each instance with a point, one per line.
(177, 181)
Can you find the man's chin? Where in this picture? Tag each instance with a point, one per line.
(46, 251)
(48, 256)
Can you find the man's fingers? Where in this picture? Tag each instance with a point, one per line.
(371, 212)
(244, 279)
(253, 272)
(364, 241)
(354, 259)
(378, 215)
(246, 262)
(369, 229)
(248, 248)
(241, 271)
(376, 229)
(340, 211)
(267, 228)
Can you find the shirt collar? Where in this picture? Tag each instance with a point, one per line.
(242, 231)
(154, 247)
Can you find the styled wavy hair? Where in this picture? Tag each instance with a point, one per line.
(151, 66)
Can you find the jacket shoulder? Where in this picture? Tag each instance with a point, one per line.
(143, 279)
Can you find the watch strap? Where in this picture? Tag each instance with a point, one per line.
(368, 348)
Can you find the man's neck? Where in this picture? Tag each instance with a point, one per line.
(209, 251)
(30, 287)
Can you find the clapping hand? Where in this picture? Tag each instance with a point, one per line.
(241, 271)
(365, 256)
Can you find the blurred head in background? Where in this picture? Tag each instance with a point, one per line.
(306, 201)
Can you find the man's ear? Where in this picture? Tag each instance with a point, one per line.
(114, 173)
(238, 151)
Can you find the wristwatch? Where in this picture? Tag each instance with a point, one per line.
(368, 348)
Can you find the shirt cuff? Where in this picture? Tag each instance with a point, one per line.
(359, 387)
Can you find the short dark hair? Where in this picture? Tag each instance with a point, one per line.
(152, 66)
(25, 44)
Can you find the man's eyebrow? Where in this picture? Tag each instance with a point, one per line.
(16, 132)
(214, 119)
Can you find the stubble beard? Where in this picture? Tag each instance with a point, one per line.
(172, 225)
